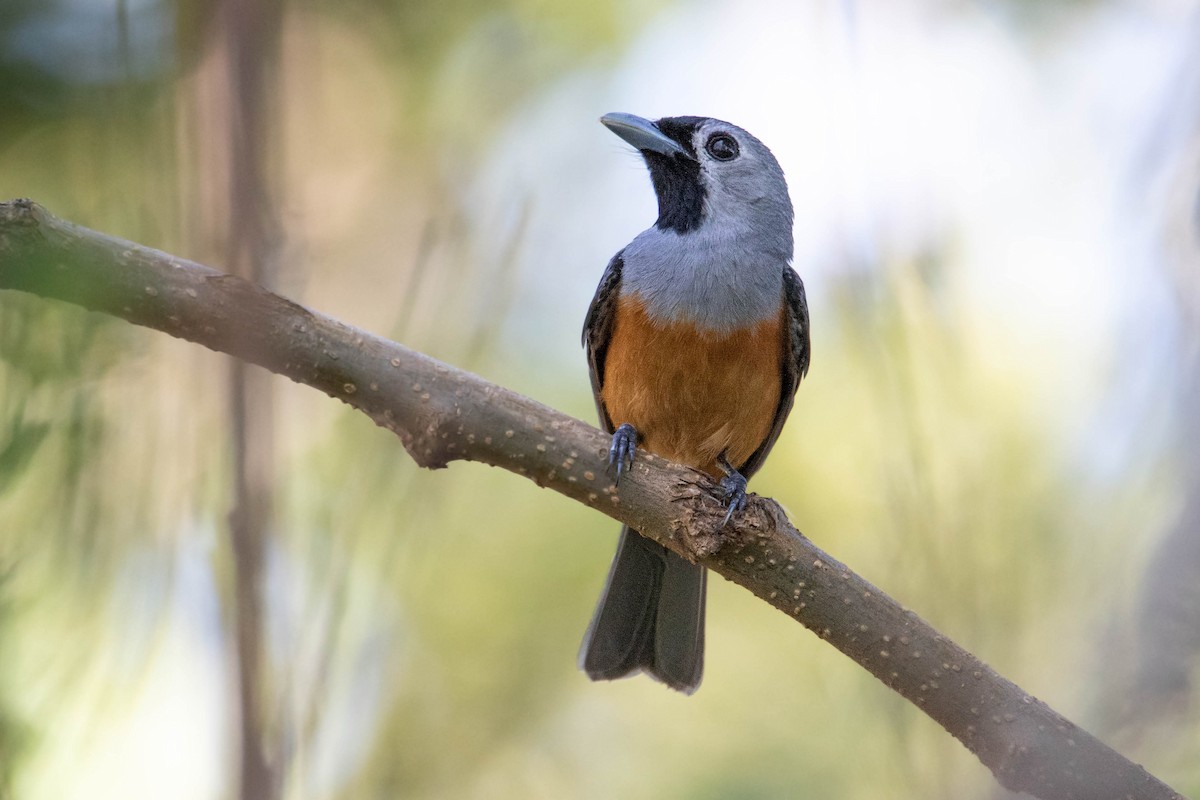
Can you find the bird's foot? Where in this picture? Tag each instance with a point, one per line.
(734, 484)
(622, 450)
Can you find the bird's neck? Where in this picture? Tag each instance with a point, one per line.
(718, 278)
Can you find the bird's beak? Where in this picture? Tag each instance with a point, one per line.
(642, 134)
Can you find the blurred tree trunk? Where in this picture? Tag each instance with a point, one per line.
(1167, 628)
(250, 32)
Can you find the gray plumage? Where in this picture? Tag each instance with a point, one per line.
(727, 273)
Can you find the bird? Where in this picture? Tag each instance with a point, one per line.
(696, 340)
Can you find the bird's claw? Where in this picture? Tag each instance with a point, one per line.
(734, 485)
(622, 449)
(735, 495)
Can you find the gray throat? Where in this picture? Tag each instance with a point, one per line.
(710, 277)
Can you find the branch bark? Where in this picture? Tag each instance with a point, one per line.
(443, 414)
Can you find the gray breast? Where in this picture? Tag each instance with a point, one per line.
(708, 277)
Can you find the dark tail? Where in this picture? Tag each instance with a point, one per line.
(649, 618)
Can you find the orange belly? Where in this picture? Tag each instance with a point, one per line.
(693, 394)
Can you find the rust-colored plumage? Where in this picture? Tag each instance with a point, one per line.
(693, 393)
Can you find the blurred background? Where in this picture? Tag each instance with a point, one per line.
(218, 584)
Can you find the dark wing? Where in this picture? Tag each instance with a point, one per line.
(597, 331)
(796, 355)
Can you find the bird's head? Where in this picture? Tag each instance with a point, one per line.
(708, 172)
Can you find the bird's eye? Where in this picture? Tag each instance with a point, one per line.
(722, 147)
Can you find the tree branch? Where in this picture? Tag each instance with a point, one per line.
(443, 414)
